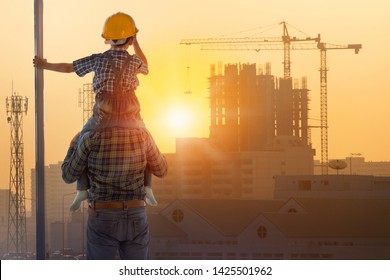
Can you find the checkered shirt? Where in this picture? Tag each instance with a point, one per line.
(116, 159)
(103, 80)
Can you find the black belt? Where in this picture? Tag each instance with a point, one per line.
(124, 205)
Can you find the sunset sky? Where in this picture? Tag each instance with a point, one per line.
(358, 85)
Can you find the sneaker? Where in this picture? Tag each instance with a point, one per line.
(150, 200)
(80, 197)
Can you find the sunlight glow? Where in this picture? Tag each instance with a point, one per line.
(178, 120)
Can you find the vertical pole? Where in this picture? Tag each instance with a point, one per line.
(39, 134)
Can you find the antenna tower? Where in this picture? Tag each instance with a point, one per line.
(87, 100)
(17, 235)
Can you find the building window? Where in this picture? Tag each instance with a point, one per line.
(262, 232)
(177, 215)
(304, 185)
(325, 182)
(292, 210)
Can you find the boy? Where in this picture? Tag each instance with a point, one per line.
(115, 81)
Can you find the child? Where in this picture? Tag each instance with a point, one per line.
(114, 82)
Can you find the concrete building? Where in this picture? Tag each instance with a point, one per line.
(58, 197)
(248, 109)
(357, 165)
(295, 228)
(332, 186)
(201, 169)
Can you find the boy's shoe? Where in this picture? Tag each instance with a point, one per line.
(80, 197)
(150, 200)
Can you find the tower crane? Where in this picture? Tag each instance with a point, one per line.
(323, 47)
(286, 39)
(273, 43)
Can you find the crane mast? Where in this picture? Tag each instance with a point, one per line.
(323, 47)
(286, 50)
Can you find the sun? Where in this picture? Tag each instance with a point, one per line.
(178, 120)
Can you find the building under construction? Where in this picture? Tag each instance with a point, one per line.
(249, 108)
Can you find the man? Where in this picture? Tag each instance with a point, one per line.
(115, 158)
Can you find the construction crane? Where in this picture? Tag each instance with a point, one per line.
(17, 234)
(273, 43)
(232, 43)
(324, 47)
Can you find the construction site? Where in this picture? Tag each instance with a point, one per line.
(279, 106)
(229, 195)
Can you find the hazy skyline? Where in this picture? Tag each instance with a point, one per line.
(358, 91)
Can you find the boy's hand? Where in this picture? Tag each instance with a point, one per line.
(42, 63)
(39, 62)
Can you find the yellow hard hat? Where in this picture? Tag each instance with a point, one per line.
(119, 26)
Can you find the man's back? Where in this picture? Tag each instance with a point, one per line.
(116, 159)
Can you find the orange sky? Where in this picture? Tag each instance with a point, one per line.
(358, 87)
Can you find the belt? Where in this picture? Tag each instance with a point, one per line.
(124, 205)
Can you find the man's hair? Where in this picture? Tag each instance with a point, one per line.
(122, 43)
(123, 105)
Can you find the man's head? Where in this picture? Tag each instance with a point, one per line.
(119, 29)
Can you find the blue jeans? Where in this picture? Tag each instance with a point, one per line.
(123, 230)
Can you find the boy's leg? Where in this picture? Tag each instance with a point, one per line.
(82, 192)
(148, 188)
(82, 184)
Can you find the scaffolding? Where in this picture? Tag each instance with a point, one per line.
(249, 109)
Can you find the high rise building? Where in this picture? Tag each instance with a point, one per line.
(58, 197)
(249, 109)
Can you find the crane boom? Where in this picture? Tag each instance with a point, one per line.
(224, 40)
(286, 39)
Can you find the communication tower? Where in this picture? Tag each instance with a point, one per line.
(17, 235)
(87, 100)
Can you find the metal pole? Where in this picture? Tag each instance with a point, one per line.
(39, 134)
(63, 221)
(82, 229)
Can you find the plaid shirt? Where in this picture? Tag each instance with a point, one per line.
(103, 80)
(116, 159)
